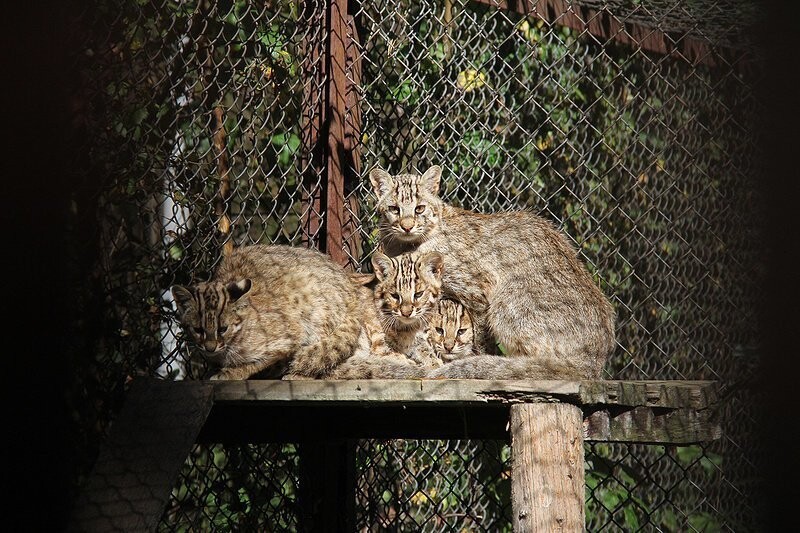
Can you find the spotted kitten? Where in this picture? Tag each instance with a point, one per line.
(450, 332)
(269, 305)
(406, 295)
(519, 277)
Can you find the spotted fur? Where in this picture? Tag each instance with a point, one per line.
(407, 292)
(519, 277)
(270, 305)
(450, 332)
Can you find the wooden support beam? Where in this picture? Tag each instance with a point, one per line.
(679, 412)
(547, 481)
(549, 420)
(335, 215)
(606, 27)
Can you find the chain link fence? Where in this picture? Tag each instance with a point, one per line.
(627, 123)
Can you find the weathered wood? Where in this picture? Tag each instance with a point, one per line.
(690, 394)
(136, 470)
(606, 27)
(161, 420)
(335, 216)
(396, 391)
(678, 412)
(672, 394)
(547, 480)
(652, 425)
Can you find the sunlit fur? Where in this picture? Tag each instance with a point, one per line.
(406, 294)
(450, 331)
(519, 277)
(270, 305)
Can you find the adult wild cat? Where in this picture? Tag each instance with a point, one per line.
(270, 305)
(516, 273)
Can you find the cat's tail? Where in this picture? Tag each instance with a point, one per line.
(373, 366)
(501, 367)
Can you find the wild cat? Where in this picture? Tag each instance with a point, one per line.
(450, 332)
(269, 305)
(519, 277)
(405, 295)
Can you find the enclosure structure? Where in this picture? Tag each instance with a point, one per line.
(210, 124)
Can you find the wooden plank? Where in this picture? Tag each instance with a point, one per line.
(676, 394)
(606, 27)
(547, 479)
(615, 411)
(451, 391)
(148, 444)
(672, 394)
(652, 426)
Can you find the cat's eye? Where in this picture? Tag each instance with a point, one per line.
(440, 331)
(394, 209)
(461, 332)
(418, 295)
(223, 329)
(199, 331)
(394, 296)
(420, 209)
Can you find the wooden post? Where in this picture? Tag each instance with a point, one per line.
(337, 104)
(315, 68)
(547, 485)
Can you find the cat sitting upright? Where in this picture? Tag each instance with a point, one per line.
(519, 276)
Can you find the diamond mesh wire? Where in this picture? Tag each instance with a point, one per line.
(203, 113)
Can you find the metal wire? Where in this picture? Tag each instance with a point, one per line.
(645, 160)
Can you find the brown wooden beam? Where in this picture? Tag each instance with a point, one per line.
(335, 216)
(315, 71)
(606, 27)
(547, 480)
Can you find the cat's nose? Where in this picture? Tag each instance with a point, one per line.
(406, 310)
(449, 346)
(210, 345)
(407, 224)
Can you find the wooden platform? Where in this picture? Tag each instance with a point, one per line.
(544, 421)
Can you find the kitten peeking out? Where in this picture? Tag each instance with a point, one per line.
(450, 332)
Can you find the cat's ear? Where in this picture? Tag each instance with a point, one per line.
(430, 180)
(360, 278)
(433, 264)
(381, 264)
(381, 181)
(237, 289)
(183, 298)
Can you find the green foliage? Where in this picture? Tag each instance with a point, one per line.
(629, 495)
